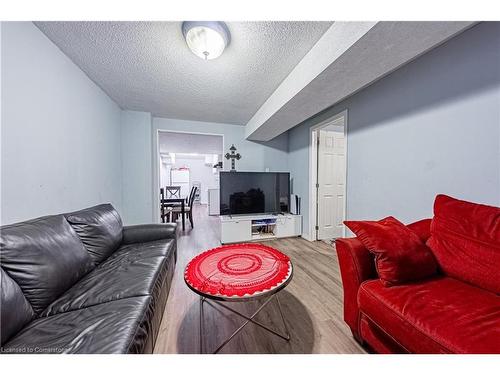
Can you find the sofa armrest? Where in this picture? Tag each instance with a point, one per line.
(422, 228)
(148, 232)
(356, 265)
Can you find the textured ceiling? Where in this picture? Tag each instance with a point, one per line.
(373, 53)
(146, 66)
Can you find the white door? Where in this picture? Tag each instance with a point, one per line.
(331, 181)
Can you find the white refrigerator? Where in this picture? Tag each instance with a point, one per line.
(180, 177)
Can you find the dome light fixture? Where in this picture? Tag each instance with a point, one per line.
(206, 39)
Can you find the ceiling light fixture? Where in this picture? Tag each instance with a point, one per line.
(206, 39)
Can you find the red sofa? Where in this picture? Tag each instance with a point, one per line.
(455, 311)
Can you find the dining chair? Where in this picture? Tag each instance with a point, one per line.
(172, 192)
(190, 193)
(188, 210)
(178, 212)
(165, 210)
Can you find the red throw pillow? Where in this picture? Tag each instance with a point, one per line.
(400, 255)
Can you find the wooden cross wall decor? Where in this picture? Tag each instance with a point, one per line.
(233, 156)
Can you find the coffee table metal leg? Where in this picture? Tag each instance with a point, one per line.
(202, 299)
(283, 319)
(248, 320)
(267, 328)
(243, 325)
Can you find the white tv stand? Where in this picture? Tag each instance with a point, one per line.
(244, 228)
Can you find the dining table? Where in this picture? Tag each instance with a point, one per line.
(175, 201)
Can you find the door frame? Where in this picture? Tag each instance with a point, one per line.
(156, 164)
(313, 171)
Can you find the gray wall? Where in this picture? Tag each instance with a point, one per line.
(140, 157)
(136, 160)
(60, 132)
(431, 127)
(256, 156)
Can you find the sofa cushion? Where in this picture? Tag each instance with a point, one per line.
(134, 270)
(400, 255)
(44, 256)
(437, 315)
(121, 326)
(378, 340)
(421, 228)
(15, 310)
(148, 232)
(465, 238)
(99, 228)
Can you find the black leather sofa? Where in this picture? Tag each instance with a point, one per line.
(83, 283)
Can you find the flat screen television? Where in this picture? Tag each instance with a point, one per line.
(254, 193)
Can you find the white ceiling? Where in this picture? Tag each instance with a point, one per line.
(190, 143)
(146, 66)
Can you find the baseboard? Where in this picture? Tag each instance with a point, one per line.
(305, 236)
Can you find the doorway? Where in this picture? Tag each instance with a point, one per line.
(186, 160)
(328, 178)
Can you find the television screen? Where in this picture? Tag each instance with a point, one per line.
(254, 193)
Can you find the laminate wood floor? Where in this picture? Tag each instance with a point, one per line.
(312, 303)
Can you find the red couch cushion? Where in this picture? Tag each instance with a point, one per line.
(465, 238)
(421, 228)
(437, 315)
(400, 255)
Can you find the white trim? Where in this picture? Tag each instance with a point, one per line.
(313, 166)
(306, 237)
(156, 165)
(156, 177)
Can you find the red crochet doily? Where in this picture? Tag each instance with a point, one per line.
(238, 270)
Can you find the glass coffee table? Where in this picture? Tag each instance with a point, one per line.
(239, 273)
